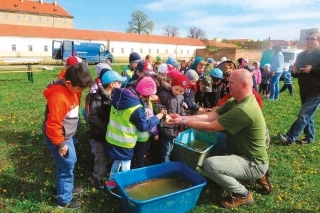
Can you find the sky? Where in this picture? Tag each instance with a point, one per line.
(224, 19)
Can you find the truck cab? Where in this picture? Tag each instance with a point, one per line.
(87, 51)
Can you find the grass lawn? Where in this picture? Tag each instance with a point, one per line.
(27, 170)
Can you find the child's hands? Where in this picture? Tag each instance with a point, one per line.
(202, 110)
(156, 137)
(162, 113)
(184, 105)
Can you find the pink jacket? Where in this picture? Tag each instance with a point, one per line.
(257, 74)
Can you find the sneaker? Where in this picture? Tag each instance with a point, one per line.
(98, 184)
(304, 141)
(111, 184)
(73, 205)
(77, 191)
(284, 140)
(270, 99)
(265, 183)
(236, 200)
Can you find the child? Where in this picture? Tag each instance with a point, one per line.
(287, 78)
(143, 142)
(189, 95)
(265, 80)
(60, 124)
(157, 63)
(241, 63)
(184, 66)
(219, 88)
(70, 61)
(98, 120)
(129, 71)
(173, 101)
(127, 118)
(257, 73)
(199, 66)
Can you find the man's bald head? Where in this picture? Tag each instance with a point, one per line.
(240, 84)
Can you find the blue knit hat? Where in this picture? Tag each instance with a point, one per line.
(134, 57)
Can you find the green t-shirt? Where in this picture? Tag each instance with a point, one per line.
(246, 128)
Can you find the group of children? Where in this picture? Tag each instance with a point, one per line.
(126, 112)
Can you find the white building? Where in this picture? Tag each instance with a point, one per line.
(27, 29)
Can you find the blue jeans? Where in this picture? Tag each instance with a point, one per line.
(65, 166)
(166, 148)
(305, 121)
(274, 86)
(221, 143)
(117, 164)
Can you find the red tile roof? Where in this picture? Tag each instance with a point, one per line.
(33, 7)
(81, 34)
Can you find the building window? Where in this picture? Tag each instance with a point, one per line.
(5, 16)
(18, 17)
(149, 50)
(194, 51)
(30, 48)
(141, 50)
(122, 50)
(181, 51)
(131, 49)
(39, 19)
(45, 48)
(13, 47)
(112, 50)
(30, 18)
(166, 50)
(65, 21)
(157, 51)
(48, 19)
(175, 51)
(188, 51)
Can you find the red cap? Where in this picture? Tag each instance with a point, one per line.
(73, 60)
(174, 73)
(181, 81)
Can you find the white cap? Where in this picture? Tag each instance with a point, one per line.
(163, 68)
(184, 59)
(223, 59)
(102, 66)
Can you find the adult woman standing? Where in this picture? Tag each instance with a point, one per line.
(276, 71)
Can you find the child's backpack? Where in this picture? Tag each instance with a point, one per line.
(88, 101)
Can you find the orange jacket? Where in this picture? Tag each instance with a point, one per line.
(62, 113)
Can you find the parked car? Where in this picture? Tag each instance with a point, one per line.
(290, 56)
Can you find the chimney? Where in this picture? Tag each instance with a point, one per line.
(41, 1)
(55, 2)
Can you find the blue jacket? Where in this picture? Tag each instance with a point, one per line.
(287, 78)
(277, 62)
(124, 99)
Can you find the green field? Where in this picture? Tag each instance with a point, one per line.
(27, 170)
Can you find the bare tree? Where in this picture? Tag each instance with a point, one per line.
(196, 32)
(170, 31)
(140, 23)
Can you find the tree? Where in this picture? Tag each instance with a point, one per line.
(195, 32)
(170, 31)
(140, 23)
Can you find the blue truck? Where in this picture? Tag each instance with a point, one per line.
(92, 53)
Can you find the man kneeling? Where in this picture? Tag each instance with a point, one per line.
(245, 128)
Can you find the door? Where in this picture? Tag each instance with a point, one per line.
(56, 49)
(67, 49)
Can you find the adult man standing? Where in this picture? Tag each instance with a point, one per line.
(307, 70)
(266, 57)
(245, 128)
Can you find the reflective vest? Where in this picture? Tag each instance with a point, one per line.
(121, 132)
(144, 136)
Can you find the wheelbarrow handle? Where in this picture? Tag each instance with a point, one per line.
(114, 194)
(118, 196)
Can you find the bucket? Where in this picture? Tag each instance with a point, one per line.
(180, 201)
(192, 147)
